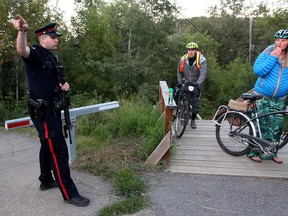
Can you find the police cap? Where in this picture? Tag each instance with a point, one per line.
(50, 29)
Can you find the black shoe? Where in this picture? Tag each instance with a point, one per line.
(193, 124)
(44, 187)
(78, 201)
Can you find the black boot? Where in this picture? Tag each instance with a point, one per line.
(78, 201)
(44, 187)
(193, 123)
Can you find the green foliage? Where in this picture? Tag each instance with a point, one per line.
(85, 99)
(123, 36)
(10, 109)
(207, 109)
(133, 118)
(128, 184)
(125, 48)
(127, 206)
(225, 84)
(148, 93)
(154, 135)
(269, 24)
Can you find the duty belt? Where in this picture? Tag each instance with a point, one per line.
(38, 103)
(46, 103)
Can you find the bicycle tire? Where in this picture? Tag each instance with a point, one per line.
(283, 142)
(181, 119)
(230, 143)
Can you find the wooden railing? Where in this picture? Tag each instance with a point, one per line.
(163, 148)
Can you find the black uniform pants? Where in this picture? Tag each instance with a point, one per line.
(53, 153)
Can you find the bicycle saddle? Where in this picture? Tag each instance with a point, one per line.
(251, 97)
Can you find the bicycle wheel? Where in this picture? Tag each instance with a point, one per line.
(229, 141)
(181, 119)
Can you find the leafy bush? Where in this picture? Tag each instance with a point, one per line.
(133, 119)
(10, 109)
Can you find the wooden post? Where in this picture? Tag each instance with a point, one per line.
(167, 129)
(163, 148)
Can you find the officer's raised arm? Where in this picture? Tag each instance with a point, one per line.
(21, 26)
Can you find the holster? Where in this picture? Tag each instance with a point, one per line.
(36, 108)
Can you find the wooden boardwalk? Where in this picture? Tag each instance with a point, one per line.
(197, 151)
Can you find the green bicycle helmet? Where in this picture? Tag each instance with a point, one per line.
(282, 33)
(192, 45)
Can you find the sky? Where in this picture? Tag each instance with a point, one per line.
(190, 8)
(195, 8)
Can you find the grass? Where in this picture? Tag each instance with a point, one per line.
(114, 144)
(126, 206)
(128, 185)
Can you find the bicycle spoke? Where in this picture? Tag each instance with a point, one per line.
(179, 124)
(227, 136)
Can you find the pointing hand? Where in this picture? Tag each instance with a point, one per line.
(19, 24)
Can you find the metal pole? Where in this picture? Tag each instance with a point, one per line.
(72, 147)
(251, 46)
(17, 82)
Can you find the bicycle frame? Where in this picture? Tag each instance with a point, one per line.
(185, 92)
(185, 96)
(257, 117)
(256, 138)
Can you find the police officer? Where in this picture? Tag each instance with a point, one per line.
(42, 77)
(193, 68)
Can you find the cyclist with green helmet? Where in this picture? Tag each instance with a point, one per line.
(193, 68)
(271, 67)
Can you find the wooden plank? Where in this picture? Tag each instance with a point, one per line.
(160, 150)
(210, 151)
(187, 148)
(212, 157)
(232, 172)
(265, 165)
(251, 172)
(198, 152)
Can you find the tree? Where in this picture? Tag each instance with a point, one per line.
(128, 39)
(266, 27)
(37, 13)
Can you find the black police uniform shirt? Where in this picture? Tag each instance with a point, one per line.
(42, 79)
(41, 73)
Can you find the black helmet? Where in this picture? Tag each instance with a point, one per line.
(282, 33)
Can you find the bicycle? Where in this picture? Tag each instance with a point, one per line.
(182, 96)
(238, 132)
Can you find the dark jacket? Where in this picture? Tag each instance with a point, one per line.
(191, 73)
